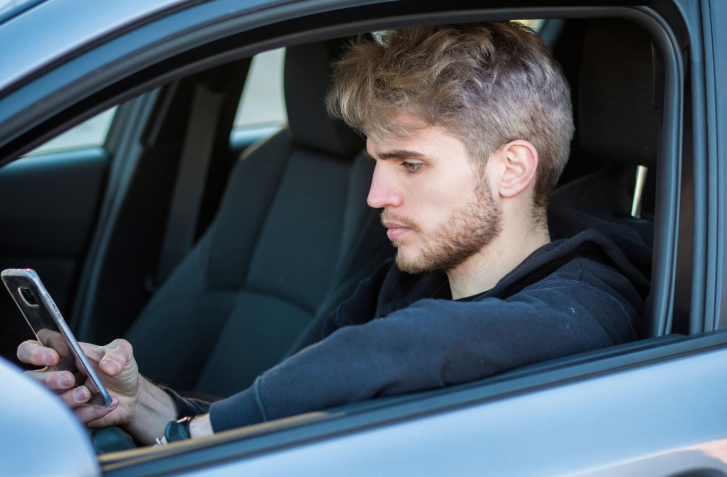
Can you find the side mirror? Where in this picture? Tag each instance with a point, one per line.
(39, 435)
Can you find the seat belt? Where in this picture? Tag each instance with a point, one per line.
(189, 186)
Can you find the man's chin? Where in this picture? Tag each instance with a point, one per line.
(410, 265)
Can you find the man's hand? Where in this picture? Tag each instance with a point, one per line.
(139, 407)
(115, 366)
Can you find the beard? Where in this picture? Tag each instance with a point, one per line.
(469, 229)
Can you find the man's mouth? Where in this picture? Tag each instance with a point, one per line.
(395, 230)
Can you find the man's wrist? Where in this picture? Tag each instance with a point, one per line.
(186, 428)
(201, 426)
(154, 409)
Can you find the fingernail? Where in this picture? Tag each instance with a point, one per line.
(80, 395)
(48, 357)
(66, 380)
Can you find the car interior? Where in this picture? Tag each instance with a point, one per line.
(234, 261)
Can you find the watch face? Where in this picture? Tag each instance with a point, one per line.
(177, 430)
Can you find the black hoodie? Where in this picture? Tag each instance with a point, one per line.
(401, 333)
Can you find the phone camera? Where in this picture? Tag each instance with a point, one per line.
(28, 296)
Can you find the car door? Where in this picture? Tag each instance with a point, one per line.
(629, 410)
(654, 407)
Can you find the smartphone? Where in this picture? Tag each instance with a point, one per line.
(44, 318)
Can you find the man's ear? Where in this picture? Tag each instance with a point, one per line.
(519, 160)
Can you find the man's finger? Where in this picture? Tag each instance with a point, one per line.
(55, 341)
(88, 414)
(32, 352)
(118, 353)
(53, 380)
(95, 353)
(76, 397)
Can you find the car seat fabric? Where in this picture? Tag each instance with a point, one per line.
(618, 116)
(292, 237)
(306, 80)
(618, 123)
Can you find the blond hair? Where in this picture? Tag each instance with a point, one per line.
(485, 84)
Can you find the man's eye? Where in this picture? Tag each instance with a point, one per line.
(411, 166)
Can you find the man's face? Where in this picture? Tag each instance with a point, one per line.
(438, 208)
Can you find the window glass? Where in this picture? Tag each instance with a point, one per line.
(91, 133)
(534, 24)
(262, 101)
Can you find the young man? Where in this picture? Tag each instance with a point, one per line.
(470, 127)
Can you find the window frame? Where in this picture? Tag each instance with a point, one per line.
(52, 147)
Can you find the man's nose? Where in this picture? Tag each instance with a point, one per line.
(383, 191)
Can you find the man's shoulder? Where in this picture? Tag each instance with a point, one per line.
(588, 254)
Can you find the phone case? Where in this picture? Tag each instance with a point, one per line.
(49, 327)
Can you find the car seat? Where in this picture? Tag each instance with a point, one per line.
(292, 238)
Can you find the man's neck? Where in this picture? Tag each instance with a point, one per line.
(483, 270)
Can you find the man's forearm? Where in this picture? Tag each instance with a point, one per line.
(154, 410)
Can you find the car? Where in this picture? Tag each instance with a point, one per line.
(649, 82)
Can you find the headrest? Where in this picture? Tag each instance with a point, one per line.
(618, 120)
(307, 77)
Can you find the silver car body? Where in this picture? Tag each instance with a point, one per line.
(656, 411)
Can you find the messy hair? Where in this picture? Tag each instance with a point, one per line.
(485, 84)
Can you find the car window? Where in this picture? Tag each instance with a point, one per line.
(534, 24)
(262, 102)
(91, 133)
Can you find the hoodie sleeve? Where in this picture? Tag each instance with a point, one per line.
(436, 343)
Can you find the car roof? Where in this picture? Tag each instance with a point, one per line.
(12, 8)
(71, 26)
(68, 26)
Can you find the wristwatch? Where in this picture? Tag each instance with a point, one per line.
(178, 430)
